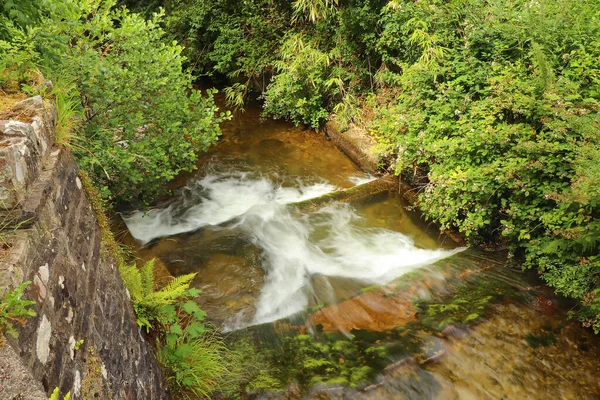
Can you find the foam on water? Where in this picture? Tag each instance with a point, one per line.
(217, 198)
(332, 242)
(360, 180)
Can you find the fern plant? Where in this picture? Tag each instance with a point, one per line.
(193, 353)
(149, 304)
(14, 310)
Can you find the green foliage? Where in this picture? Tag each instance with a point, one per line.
(229, 38)
(313, 10)
(298, 91)
(193, 353)
(56, 395)
(143, 122)
(78, 344)
(14, 310)
(69, 113)
(20, 14)
(18, 59)
(496, 126)
(253, 372)
(196, 361)
(156, 306)
(235, 95)
(304, 56)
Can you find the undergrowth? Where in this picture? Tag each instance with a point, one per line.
(192, 351)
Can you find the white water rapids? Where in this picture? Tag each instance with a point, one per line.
(332, 242)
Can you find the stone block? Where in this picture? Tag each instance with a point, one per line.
(16, 381)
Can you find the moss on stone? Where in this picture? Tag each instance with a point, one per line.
(109, 243)
(92, 385)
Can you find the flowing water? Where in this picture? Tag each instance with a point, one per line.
(353, 299)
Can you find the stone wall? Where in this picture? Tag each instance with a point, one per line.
(85, 338)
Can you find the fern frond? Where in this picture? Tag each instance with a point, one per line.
(133, 281)
(163, 298)
(147, 275)
(175, 289)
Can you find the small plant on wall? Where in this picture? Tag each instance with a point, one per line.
(55, 395)
(14, 310)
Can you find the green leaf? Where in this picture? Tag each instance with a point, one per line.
(190, 307)
(195, 329)
(176, 329)
(471, 317)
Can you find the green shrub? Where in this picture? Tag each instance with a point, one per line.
(144, 123)
(498, 131)
(18, 60)
(298, 91)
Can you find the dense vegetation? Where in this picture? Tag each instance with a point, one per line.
(192, 350)
(489, 108)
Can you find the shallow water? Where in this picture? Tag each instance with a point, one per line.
(358, 299)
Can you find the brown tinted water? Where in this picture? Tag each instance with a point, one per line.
(359, 300)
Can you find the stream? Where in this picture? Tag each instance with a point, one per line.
(357, 298)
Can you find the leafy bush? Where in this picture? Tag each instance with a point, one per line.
(144, 123)
(18, 60)
(298, 91)
(20, 14)
(496, 127)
